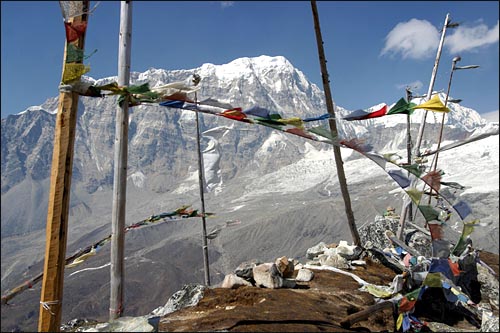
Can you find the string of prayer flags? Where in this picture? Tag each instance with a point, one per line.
(82, 255)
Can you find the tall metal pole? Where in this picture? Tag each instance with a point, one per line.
(59, 199)
(196, 80)
(333, 127)
(431, 85)
(120, 167)
(440, 137)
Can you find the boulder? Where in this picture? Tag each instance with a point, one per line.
(232, 281)
(267, 276)
(244, 270)
(189, 295)
(285, 266)
(304, 275)
(316, 250)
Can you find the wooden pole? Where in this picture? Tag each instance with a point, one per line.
(333, 127)
(431, 86)
(120, 167)
(59, 199)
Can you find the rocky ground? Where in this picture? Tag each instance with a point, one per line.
(315, 306)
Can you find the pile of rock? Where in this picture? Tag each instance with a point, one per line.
(285, 272)
(277, 274)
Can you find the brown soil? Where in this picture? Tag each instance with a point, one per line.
(315, 306)
(318, 305)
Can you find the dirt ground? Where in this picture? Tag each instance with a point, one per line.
(315, 306)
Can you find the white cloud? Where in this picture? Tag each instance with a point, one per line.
(415, 39)
(491, 116)
(225, 4)
(468, 38)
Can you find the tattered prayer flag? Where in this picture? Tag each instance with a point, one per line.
(138, 89)
(434, 104)
(82, 258)
(299, 132)
(113, 87)
(415, 195)
(294, 121)
(74, 30)
(235, 114)
(380, 160)
(399, 322)
(216, 103)
(272, 121)
(400, 178)
(433, 179)
(73, 72)
(430, 214)
(322, 117)
(357, 145)
(361, 114)
(433, 280)
(462, 241)
(453, 185)
(413, 169)
(436, 231)
(463, 209)
(73, 54)
(406, 305)
(257, 111)
(401, 107)
(173, 104)
(324, 132)
(170, 88)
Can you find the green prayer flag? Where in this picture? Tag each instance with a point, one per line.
(433, 280)
(321, 131)
(429, 213)
(402, 106)
(415, 195)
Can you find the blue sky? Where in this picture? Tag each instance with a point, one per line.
(374, 49)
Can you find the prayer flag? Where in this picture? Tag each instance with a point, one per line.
(434, 104)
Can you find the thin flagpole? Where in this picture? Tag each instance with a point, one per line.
(196, 80)
(333, 128)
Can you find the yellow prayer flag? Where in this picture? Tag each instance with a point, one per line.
(434, 105)
(73, 72)
(294, 121)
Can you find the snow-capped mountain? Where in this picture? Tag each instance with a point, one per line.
(282, 187)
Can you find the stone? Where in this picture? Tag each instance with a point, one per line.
(124, 324)
(334, 261)
(244, 270)
(189, 295)
(289, 283)
(316, 250)
(232, 281)
(267, 275)
(304, 275)
(285, 267)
